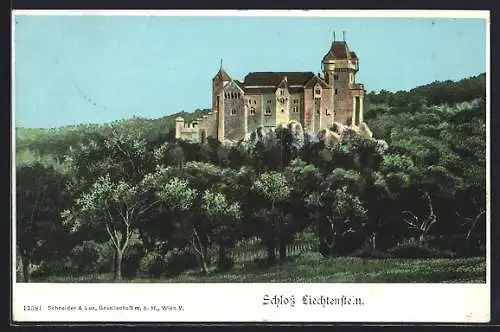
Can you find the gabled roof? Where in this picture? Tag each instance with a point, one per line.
(240, 84)
(338, 51)
(316, 80)
(222, 75)
(275, 78)
(234, 83)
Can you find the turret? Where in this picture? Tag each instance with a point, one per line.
(179, 124)
(340, 65)
(220, 80)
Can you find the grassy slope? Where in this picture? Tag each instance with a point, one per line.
(311, 267)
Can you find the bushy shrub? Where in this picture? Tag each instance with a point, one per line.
(226, 264)
(84, 257)
(132, 259)
(152, 264)
(55, 265)
(368, 253)
(180, 260)
(414, 249)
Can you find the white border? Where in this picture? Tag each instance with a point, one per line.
(451, 303)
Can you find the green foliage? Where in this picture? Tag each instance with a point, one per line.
(273, 187)
(132, 196)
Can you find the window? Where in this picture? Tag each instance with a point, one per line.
(318, 91)
(336, 91)
(335, 77)
(268, 110)
(295, 109)
(255, 102)
(282, 92)
(252, 110)
(233, 111)
(295, 101)
(269, 101)
(282, 111)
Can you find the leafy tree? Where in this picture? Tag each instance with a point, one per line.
(40, 196)
(114, 206)
(273, 191)
(223, 215)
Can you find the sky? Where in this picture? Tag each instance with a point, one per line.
(97, 69)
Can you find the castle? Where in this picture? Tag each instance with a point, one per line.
(268, 99)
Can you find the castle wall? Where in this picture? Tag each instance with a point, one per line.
(326, 117)
(268, 101)
(234, 118)
(190, 132)
(282, 109)
(343, 97)
(254, 121)
(298, 114)
(307, 120)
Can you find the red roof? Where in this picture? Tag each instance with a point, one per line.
(222, 75)
(275, 78)
(339, 50)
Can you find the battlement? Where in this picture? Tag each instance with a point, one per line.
(196, 130)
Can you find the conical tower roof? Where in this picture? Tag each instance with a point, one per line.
(222, 75)
(338, 51)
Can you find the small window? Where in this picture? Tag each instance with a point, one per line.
(268, 111)
(295, 101)
(336, 91)
(282, 111)
(282, 92)
(295, 109)
(335, 77)
(255, 102)
(318, 91)
(269, 101)
(252, 110)
(233, 111)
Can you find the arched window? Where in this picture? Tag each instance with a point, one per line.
(252, 110)
(233, 111)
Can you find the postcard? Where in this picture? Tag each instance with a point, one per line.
(251, 166)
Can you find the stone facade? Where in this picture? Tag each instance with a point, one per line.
(268, 99)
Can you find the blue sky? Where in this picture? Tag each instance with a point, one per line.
(97, 69)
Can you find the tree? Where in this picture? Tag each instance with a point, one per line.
(40, 195)
(342, 213)
(223, 215)
(115, 206)
(273, 191)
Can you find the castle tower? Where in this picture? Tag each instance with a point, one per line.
(179, 124)
(220, 80)
(340, 66)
